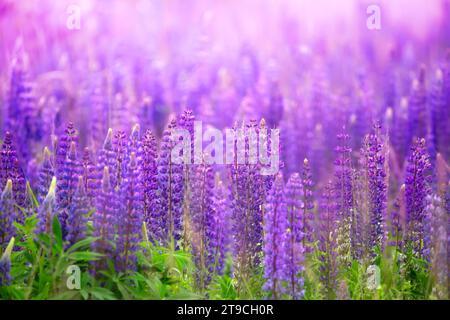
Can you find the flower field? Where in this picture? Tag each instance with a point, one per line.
(196, 150)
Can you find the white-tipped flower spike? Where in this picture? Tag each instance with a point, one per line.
(108, 140)
(5, 264)
(46, 209)
(8, 187)
(52, 189)
(135, 131)
(7, 253)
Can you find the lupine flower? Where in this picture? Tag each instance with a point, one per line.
(374, 168)
(344, 196)
(416, 189)
(222, 226)
(417, 117)
(130, 216)
(69, 171)
(89, 174)
(204, 238)
(294, 248)
(327, 243)
(78, 211)
(7, 213)
(11, 169)
(5, 265)
(398, 219)
(106, 158)
(438, 242)
(150, 182)
(105, 219)
(274, 240)
(47, 210)
(170, 179)
(46, 173)
(247, 196)
(308, 206)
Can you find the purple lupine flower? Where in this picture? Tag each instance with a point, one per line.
(308, 206)
(150, 182)
(22, 116)
(120, 150)
(90, 176)
(438, 220)
(130, 217)
(29, 207)
(62, 147)
(78, 210)
(400, 133)
(398, 219)
(204, 236)
(416, 190)
(222, 226)
(327, 242)
(418, 114)
(343, 190)
(99, 118)
(247, 196)
(295, 236)
(5, 264)
(170, 179)
(374, 166)
(68, 173)
(275, 109)
(46, 173)
(104, 220)
(7, 213)
(439, 113)
(186, 121)
(274, 240)
(46, 210)
(106, 158)
(11, 169)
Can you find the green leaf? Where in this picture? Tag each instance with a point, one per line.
(81, 244)
(85, 256)
(57, 232)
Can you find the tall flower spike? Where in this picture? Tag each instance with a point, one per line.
(7, 213)
(150, 183)
(10, 169)
(308, 206)
(416, 190)
(90, 176)
(398, 219)
(79, 208)
(418, 113)
(104, 220)
(295, 236)
(46, 173)
(67, 183)
(170, 179)
(344, 194)
(47, 210)
(130, 217)
(247, 195)
(5, 265)
(222, 226)
(204, 242)
(374, 166)
(438, 244)
(327, 242)
(274, 240)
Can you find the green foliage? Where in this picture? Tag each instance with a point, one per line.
(40, 263)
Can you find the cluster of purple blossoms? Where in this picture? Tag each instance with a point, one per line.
(416, 190)
(374, 166)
